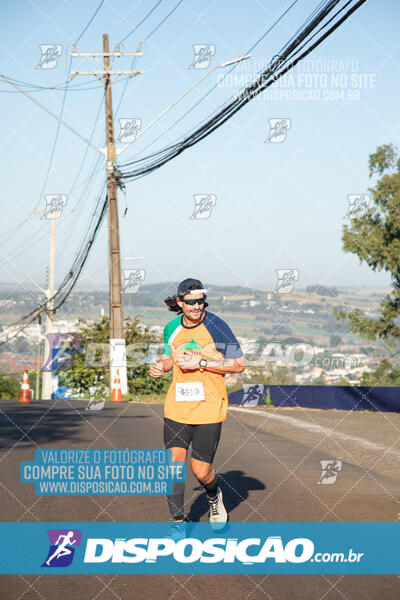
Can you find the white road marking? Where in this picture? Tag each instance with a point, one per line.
(301, 424)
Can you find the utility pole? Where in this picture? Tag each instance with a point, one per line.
(117, 337)
(46, 378)
(38, 366)
(49, 325)
(117, 340)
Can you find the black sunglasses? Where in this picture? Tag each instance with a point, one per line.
(195, 301)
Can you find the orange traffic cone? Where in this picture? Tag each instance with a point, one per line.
(25, 393)
(116, 395)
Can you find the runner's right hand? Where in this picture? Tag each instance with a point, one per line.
(157, 369)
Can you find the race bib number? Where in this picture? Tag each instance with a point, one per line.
(190, 391)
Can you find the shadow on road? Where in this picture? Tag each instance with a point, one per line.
(50, 422)
(235, 486)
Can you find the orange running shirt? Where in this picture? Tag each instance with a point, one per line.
(196, 397)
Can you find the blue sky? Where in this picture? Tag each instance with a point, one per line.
(278, 205)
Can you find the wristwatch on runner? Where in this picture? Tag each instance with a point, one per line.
(202, 364)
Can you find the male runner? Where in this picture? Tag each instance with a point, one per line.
(200, 348)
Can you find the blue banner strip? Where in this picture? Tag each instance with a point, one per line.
(238, 548)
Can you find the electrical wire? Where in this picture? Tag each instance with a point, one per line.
(146, 38)
(66, 286)
(321, 5)
(53, 150)
(90, 22)
(163, 21)
(141, 22)
(61, 85)
(235, 66)
(49, 166)
(288, 57)
(36, 312)
(33, 240)
(274, 71)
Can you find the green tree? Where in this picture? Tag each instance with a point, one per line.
(91, 364)
(384, 374)
(375, 238)
(9, 388)
(321, 290)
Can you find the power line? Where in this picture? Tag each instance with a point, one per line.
(53, 150)
(82, 162)
(29, 243)
(58, 86)
(141, 22)
(36, 312)
(268, 76)
(216, 84)
(278, 67)
(76, 87)
(66, 286)
(50, 161)
(145, 39)
(90, 21)
(322, 4)
(163, 21)
(22, 249)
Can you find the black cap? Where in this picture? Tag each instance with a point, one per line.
(183, 287)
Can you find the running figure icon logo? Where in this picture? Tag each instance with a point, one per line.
(203, 205)
(62, 547)
(278, 129)
(252, 394)
(203, 54)
(50, 53)
(358, 205)
(132, 280)
(129, 128)
(286, 280)
(330, 470)
(55, 203)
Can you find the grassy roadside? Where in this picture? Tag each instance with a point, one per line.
(145, 398)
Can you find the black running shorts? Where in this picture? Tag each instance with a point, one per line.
(204, 438)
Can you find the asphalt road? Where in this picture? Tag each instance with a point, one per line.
(269, 463)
